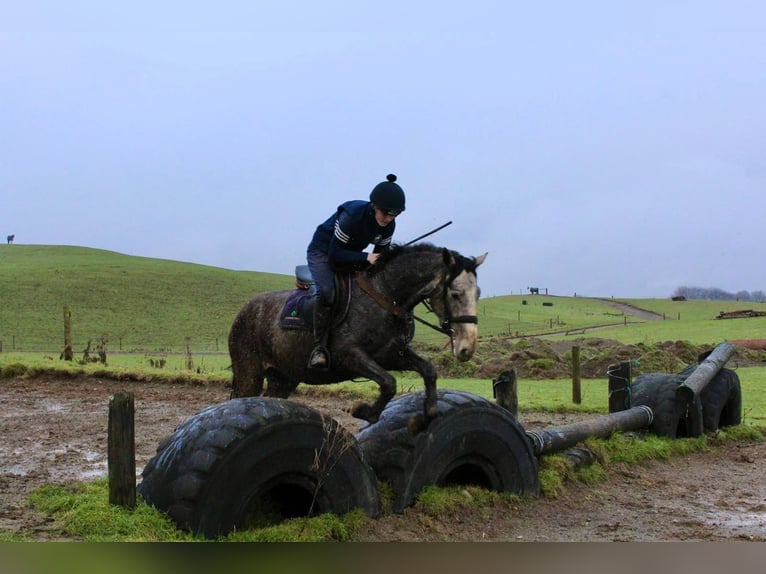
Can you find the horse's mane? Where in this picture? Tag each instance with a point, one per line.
(395, 251)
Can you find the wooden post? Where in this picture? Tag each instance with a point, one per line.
(67, 355)
(576, 390)
(505, 391)
(619, 386)
(122, 451)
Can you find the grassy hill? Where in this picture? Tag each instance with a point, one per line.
(137, 303)
(155, 305)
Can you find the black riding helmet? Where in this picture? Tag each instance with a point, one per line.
(388, 196)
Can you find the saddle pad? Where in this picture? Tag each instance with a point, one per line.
(290, 317)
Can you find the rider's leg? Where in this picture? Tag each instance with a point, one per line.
(320, 356)
(323, 292)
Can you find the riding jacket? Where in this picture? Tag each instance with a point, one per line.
(346, 234)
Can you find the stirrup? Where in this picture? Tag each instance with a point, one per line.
(319, 359)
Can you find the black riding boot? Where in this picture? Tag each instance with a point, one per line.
(320, 356)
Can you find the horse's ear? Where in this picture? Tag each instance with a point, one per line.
(480, 259)
(449, 258)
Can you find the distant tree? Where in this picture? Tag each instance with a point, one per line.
(716, 294)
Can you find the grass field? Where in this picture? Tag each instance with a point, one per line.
(154, 310)
(146, 305)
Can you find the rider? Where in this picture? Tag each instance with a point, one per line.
(340, 242)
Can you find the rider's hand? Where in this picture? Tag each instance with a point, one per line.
(372, 258)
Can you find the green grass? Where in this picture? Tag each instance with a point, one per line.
(82, 510)
(137, 303)
(151, 305)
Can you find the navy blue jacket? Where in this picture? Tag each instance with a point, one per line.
(348, 232)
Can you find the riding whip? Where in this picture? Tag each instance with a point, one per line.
(427, 234)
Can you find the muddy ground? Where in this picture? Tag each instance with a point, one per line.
(54, 431)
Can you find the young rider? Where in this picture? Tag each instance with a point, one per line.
(340, 242)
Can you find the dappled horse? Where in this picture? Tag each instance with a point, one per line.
(374, 335)
(10, 239)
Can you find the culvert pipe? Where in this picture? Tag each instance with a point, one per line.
(557, 439)
(704, 373)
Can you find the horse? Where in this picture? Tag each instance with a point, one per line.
(374, 335)
(10, 239)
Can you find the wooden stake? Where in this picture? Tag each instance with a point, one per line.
(122, 450)
(576, 389)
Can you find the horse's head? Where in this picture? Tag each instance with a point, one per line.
(455, 301)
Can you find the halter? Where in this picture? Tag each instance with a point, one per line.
(445, 326)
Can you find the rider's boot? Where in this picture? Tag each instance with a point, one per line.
(320, 356)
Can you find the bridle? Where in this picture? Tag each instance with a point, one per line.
(445, 326)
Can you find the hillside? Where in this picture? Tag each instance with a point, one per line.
(147, 305)
(137, 303)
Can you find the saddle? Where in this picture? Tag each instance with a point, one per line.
(298, 310)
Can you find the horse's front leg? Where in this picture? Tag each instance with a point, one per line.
(409, 360)
(365, 366)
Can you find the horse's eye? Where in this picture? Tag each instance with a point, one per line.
(456, 295)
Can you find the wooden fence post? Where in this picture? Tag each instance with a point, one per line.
(122, 450)
(576, 389)
(619, 386)
(67, 355)
(505, 390)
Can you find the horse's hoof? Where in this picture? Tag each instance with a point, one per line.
(364, 411)
(417, 424)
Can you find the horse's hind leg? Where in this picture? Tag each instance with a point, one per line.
(247, 372)
(247, 380)
(279, 386)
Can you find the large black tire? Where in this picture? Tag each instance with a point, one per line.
(253, 461)
(722, 401)
(671, 417)
(472, 441)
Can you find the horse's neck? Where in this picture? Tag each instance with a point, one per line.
(408, 280)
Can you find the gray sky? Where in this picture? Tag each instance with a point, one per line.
(603, 148)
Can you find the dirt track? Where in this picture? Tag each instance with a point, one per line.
(54, 432)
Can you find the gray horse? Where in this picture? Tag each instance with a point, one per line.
(375, 334)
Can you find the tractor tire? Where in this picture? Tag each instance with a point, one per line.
(722, 401)
(255, 461)
(671, 418)
(471, 441)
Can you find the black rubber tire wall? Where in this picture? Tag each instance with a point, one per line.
(217, 464)
(471, 441)
(671, 419)
(722, 401)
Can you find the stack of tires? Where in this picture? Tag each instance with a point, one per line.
(719, 404)
(257, 460)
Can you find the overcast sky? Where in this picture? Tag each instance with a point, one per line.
(607, 148)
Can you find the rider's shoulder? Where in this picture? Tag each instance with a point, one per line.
(354, 208)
